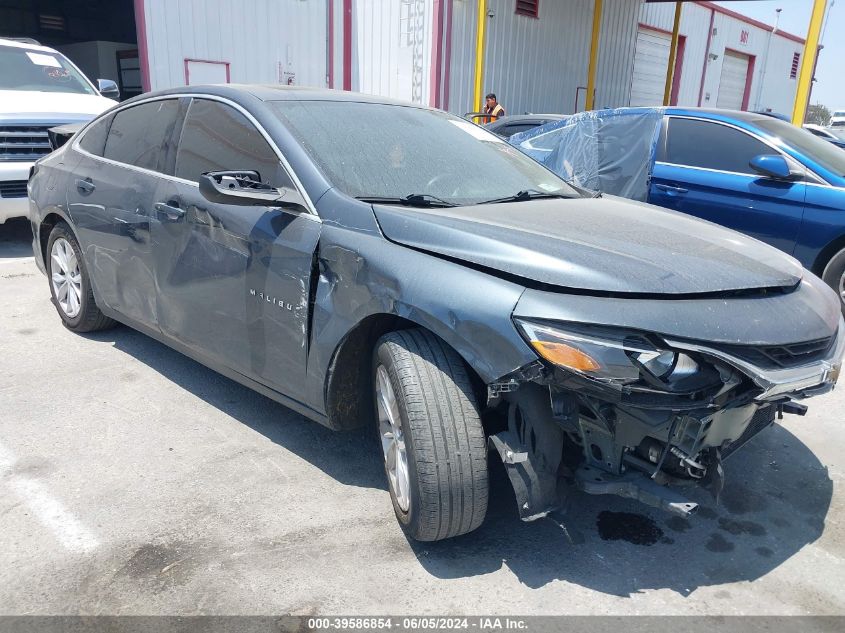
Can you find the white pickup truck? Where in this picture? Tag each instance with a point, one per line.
(39, 89)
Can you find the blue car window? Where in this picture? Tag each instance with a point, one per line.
(697, 143)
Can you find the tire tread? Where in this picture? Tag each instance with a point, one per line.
(449, 442)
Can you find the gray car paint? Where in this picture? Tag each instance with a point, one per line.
(357, 274)
(607, 245)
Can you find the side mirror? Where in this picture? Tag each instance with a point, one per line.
(108, 89)
(774, 166)
(245, 188)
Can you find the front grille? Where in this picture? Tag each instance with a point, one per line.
(781, 356)
(24, 142)
(763, 418)
(13, 189)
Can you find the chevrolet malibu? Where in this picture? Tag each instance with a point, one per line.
(375, 263)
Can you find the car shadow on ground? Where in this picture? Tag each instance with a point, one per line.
(337, 454)
(774, 503)
(15, 238)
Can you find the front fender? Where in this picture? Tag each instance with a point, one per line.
(364, 275)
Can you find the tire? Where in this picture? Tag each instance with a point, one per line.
(441, 431)
(834, 276)
(66, 270)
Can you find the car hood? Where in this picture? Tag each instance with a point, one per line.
(57, 106)
(600, 245)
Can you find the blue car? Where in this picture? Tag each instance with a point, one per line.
(747, 171)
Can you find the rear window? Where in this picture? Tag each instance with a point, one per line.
(40, 71)
(94, 139)
(143, 135)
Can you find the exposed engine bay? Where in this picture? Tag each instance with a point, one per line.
(635, 415)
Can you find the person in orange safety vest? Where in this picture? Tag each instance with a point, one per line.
(493, 108)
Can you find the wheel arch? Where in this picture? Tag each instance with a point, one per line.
(348, 395)
(45, 227)
(826, 254)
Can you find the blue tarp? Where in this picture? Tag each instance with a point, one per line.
(605, 150)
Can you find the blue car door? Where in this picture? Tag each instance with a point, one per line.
(702, 168)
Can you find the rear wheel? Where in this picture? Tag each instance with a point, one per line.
(435, 452)
(70, 286)
(834, 276)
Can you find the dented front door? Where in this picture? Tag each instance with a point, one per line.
(233, 284)
(233, 281)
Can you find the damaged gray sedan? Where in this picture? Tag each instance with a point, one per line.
(380, 264)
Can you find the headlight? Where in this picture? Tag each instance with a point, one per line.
(620, 358)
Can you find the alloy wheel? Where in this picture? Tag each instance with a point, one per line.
(66, 277)
(392, 439)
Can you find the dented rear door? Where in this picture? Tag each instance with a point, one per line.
(233, 281)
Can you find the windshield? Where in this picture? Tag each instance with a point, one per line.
(41, 71)
(372, 150)
(817, 149)
(837, 132)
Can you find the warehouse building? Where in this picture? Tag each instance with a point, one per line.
(535, 54)
(724, 59)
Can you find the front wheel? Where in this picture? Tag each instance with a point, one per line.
(834, 276)
(435, 452)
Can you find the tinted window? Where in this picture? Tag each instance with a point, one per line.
(380, 150)
(510, 130)
(142, 135)
(216, 137)
(94, 139)
(712, 146)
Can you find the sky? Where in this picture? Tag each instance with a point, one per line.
(829, 88)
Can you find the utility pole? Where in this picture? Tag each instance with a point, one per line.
(759, 102)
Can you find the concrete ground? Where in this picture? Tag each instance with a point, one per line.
(136, 481)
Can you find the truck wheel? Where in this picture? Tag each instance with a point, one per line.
(435, 452)
(834, 276)
(70, 286)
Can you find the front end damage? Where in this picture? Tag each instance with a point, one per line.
(640, 416)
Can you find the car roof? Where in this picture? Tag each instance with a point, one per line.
(27, 46)
(718, 113)
(270, 92)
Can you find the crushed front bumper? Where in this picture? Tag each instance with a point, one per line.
(568, 432)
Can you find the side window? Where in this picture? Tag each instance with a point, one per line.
(216, 137)
(95, 136)
(712, 146)
(143, 135)
(516, 128)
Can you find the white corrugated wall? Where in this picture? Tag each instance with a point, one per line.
(392, 52)
(258, 38)
(538, 64)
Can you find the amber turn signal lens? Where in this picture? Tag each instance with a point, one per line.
(566, 356)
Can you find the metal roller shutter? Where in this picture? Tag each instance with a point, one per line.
(732, 82)
(650, 60)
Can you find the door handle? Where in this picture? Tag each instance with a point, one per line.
(670, 189)
(171, 213)
(85, 186)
